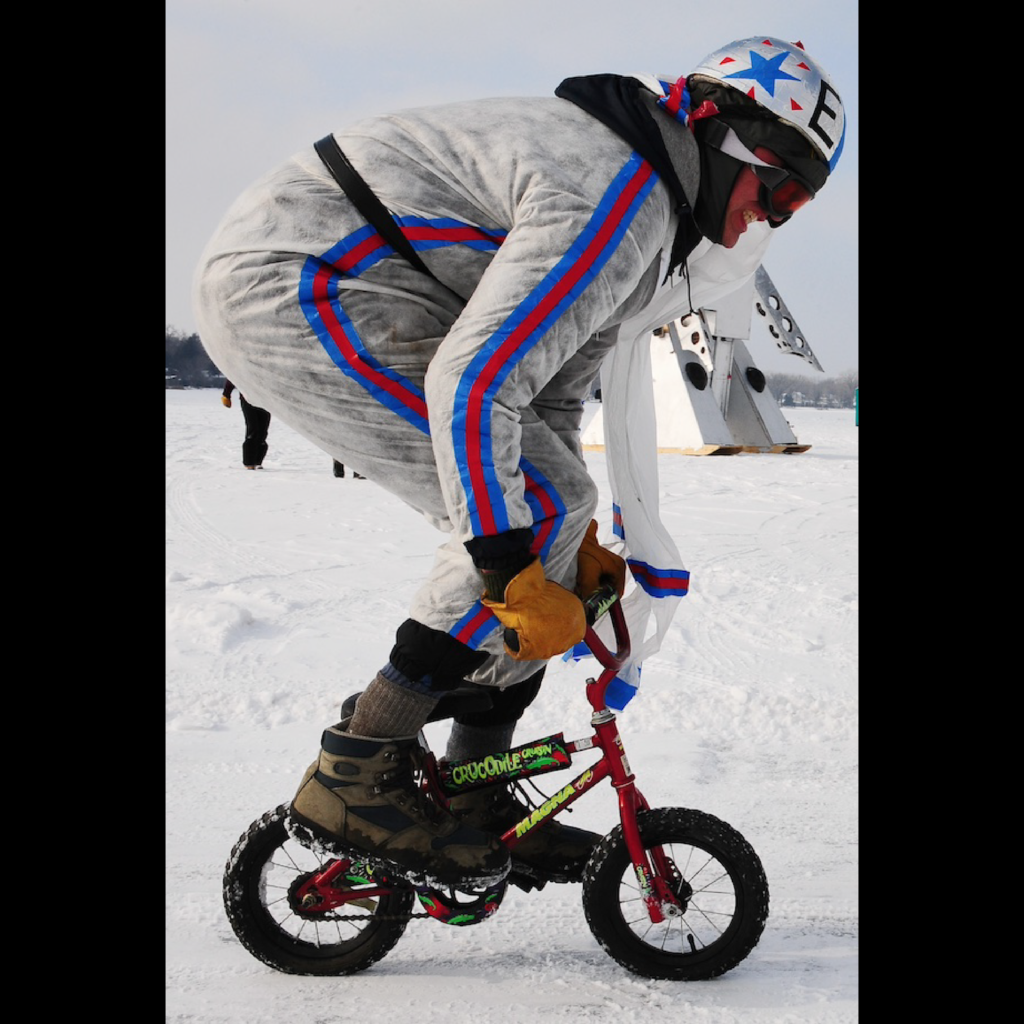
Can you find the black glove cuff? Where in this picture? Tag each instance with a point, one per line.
(509, 550)
(431, 658)
(500, 558)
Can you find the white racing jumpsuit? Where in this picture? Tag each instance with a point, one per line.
(548, 228)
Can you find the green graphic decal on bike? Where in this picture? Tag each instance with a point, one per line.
(359, 873)
(546, 755)
(643, 879)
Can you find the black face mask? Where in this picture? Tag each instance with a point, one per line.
(718, 174)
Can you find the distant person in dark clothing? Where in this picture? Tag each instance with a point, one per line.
(257, 423)
(339, 471)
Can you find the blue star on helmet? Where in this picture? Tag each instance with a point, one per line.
(765, 72)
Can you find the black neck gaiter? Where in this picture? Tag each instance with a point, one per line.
(615, 101)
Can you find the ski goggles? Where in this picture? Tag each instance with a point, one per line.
(783, 191)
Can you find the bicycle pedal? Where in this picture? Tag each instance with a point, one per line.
(525, 882)
(527, 877)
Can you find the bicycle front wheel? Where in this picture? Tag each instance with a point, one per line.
(715, 875)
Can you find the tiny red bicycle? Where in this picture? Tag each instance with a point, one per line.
(669, 893)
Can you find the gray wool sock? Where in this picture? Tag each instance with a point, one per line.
(478, 741)
(388, 710)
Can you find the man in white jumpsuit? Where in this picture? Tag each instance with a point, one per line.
(428, 297)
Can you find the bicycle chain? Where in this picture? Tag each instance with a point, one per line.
(365, 917)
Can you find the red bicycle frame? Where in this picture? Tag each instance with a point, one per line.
(614, 765)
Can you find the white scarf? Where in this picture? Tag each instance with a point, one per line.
(631, 448)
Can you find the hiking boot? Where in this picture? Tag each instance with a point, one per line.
(360, 797)
(557, 852)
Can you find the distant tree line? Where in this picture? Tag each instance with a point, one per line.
(823, 392)
(186, 365)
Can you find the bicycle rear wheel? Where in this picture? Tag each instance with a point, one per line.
(713, 872)
(261, 880)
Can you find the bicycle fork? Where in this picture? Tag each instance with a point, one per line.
(654, 878)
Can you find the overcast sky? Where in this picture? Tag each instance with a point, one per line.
(249, 82)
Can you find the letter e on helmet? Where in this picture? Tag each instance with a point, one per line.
(783, 78)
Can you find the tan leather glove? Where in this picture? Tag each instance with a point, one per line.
(547, 618)
(225, 401)
(595, 561)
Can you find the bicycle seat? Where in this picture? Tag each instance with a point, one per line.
(463, 700)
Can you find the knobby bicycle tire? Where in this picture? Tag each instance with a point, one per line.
(719, 881)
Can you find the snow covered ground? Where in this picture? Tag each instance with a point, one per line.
(283, 589)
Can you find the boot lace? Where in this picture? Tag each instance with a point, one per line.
(406, 779)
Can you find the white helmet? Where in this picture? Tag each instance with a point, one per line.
(783, 78)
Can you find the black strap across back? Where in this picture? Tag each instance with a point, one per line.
(367, 203)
